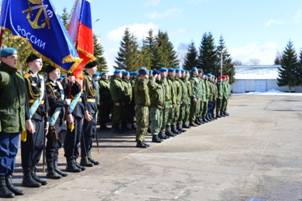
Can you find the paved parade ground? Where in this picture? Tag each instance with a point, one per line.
(253, 155)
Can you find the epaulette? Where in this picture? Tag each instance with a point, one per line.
(27, 75)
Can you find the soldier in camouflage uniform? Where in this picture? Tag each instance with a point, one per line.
(157, 103)
(207, 94)
(171, 125)
(142, 103)
(127, 99)
(187, 94)
(167, 102)
(227, 94)
(195, 101)
(179, 86)
(219, 97)
(116, 91)
(105, 106)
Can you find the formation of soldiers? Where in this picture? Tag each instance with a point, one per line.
(165, 101)
(52, 113)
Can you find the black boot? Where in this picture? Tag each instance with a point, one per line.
(91, 160)
(4, 190)
(51, 173)
(28, 180)
(82, 168)
(11, 187)
(174, 130)
(162, 135)
(71, 167)
(141, 144)
(169, 133)
(63, 174)
(156, 139)
(37, 178)
(85, 162)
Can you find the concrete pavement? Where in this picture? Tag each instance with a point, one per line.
(253, 155)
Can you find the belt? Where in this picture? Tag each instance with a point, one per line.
(33, 100)
(91, 100)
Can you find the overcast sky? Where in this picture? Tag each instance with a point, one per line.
(253, 29)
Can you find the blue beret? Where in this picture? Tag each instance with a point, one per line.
(8, 51)
(150, 72)
(117, 72)
(126, 73)
(133, 74)
(194, 69)
(171, 70)
(142, 71)
(156, 72)
(162, 70)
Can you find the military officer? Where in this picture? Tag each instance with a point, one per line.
(142, 103)
(12, 119)
(32, 144)
(56, 99)
(195, 102)
(89, 125)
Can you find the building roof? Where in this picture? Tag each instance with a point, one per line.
(256, 72)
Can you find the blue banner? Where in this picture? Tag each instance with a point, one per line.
(36, 21)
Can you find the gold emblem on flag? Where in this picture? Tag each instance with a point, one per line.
(35, 13)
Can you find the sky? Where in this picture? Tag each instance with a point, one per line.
(253, 30)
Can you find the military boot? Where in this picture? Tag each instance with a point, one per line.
(156, 139)
(71, 167)
(169, 132)
(162, 135)
(28, 180)
(91, 160)
(63, 174)
(51, 173)
(85, 162)
(4, 191)
(82, 168)
(37, 178)
(174, 130)
(11, 187)
(141, 144)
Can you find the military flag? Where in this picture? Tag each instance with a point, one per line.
(80, 30)
(36, 21)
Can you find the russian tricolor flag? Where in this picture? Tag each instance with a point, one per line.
(80, 30)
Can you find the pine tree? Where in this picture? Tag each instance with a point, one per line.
(128, 56)
(228, 66)
(65, 17)
(207, 59)
(164, 55)
(98, 53)
(289, 70)
(148, 51)
(277, 59)
(191, 57)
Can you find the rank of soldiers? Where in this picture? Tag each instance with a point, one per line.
(50, 112)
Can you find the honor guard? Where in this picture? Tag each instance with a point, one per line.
(32, 144)
(56, 97)
(89, 126)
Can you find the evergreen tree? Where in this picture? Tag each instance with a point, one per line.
(98, 53)
(191, 57)
(164, 53)
(148, 51)
(289, 70)
(207, 59)
(228, 66)
(128, 56)
(65, 17)
(277, 59)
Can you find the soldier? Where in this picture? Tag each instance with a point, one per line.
(187, 99)
(133, 76)
(32, 144)
(227, 93)
(171, 125)
(195, 102)
(127, 98)
(205, 103)
(56, 100)
(142, 103)
(12, 119)
(167, 102)
(179, 101)
(105, 100)
(89, 125)
(75, 117)
(116, 91)
(157, 103)
(219, 97)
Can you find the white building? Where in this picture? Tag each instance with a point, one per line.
(259, 78)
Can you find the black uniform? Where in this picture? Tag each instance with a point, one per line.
(89, 127)
(74, 132)
(55, 95)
